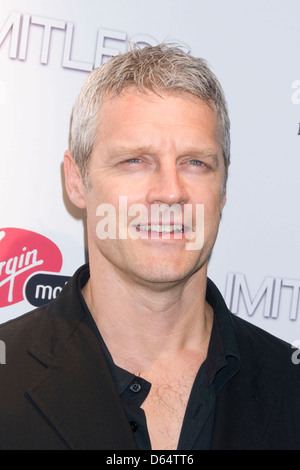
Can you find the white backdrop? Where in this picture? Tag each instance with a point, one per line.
(47, 48)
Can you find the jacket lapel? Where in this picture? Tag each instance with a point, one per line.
(245, 405)
(78, 397)
(75, 391)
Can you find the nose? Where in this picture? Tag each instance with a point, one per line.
(167, 186)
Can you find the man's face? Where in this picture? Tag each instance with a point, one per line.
(155, 150)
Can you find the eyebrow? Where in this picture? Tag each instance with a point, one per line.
(131, 151)
(202, 153)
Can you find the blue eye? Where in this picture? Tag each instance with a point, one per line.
(133, 160)
(195, 162)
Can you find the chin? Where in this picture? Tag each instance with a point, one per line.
(165, 273)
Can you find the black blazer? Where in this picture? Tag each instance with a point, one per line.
(56, 391)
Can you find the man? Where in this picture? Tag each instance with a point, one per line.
(139, 350)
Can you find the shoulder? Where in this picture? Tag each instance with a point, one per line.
(274, 357)
(46, 325)
(258, 337)
(255, 344)
(21, 331)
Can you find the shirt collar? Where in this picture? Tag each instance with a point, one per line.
(223, 358)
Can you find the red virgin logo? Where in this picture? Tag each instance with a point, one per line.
(21, 254)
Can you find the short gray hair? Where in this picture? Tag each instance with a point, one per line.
(155, 68)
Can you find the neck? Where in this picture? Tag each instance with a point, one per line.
(142, 324)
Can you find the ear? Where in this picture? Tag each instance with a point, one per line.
(223, 199)
(73, 181)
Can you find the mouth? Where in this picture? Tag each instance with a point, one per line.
(178, 228)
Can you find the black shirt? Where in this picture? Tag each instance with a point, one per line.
(221, 364)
